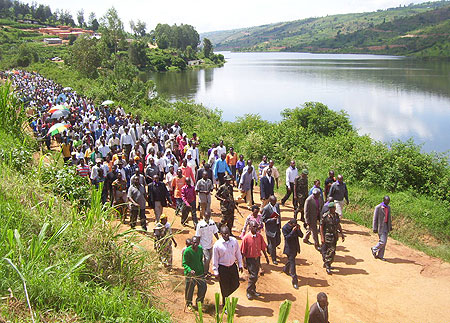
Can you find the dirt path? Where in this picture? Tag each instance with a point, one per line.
(410, 287)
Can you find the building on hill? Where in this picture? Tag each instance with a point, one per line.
(53, 41)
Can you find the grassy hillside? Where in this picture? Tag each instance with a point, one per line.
(384, 29)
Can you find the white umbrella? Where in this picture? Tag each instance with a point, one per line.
(67, 88)
(59, 114)
(108, 102)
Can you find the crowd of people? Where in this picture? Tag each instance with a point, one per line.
(140, 165)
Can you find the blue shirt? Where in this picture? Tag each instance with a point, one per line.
(240, 164)
(221, 167)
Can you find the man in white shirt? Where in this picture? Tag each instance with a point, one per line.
(104, 149)
(191, 162)
(221, 149)
(126, 142)
(114, 141)
(206, 229)
(226, 252)
(194, 153)
(291, 174)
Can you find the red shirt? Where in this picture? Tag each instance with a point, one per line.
(252, 246)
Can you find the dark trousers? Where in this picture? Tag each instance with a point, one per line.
(289, 191)
(272, 244)
(221, 177)
(127, 148)
(228, 220)
(253, 266)
(328, 252)
(185, 212)
(289, 268)
(191, 282)
(229, 280)
(133, 218)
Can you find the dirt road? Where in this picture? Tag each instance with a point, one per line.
(410, 287)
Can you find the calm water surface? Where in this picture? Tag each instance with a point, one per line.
(386, 97)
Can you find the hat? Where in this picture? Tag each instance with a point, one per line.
(305, 171)
(227, 177)
(98, 160)
(163, 216)
(331, 204)
(136, 158)
(171, 136)
(315, 191)
(73, 153)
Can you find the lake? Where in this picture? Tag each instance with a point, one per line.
(386, 97)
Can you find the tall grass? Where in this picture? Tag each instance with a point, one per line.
(12, 111)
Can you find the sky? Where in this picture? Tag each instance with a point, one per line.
(211, 15)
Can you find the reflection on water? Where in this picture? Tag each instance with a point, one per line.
(386, 97)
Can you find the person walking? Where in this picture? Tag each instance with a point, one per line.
(275, 173)
(382, 224)
(189, 198)
(163, 241)
(158, 196)
(178, 183)
(232, 159)
(328, 182)
(225, 255)
(271, 217)
(291, 233)
(301, 194)
(251, 247)
(245, 186)
(204, 187)
(227, 204)
(291, 175)
(267, 184)
(193, 271)
(136, 198)
(206, 229)
(220, 167)
(313, 207)
(329, 228)
(318, 312)
(339, 192)
(119, 187)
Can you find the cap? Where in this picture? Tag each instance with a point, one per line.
(227, 177)
(316, 191)
(305, 171)
(331, 205)
(98, 160)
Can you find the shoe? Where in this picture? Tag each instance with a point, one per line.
(307, 242)
(249, 296)
(295, 285)
(374, 254)
(256, 294)
(275, 262)
(329, 271)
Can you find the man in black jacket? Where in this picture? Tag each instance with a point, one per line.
(271, 217)
(158, 195)
(266, 187)
(291, 233)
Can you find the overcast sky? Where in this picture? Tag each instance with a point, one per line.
(212, 15)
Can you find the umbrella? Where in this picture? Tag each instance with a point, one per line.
(67, 88)
(107, 102)
(57, 128)
(59, 114)
(57, 108)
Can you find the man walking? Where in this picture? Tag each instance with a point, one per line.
(271, 216)
(204, 188)
(313, 206)
(318, 313)
(252, 245)
(339, 192)
(225, 255)
(382, 224)
(245, 186)
(301, 194)
(188, 197)
(266, 187)
(193, 271)
(136, 197)
(330, 226)
(291, 233)
(206, 229)
(291, 175)
(227, 205)
(220, 168)
(158, 196)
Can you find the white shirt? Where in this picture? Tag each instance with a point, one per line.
(126, 140)
(291, 174)
(226, 253)
(221, 150)
(169, 178)
(254, 177)
(104, 150)
(206, 232)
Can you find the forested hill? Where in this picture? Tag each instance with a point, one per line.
(419, 30)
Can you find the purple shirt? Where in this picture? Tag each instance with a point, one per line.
(240, 164)
(188, 194)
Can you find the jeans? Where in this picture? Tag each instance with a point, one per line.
(191, 282)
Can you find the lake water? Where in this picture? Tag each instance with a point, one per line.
(386, 97)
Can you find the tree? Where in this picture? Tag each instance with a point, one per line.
(139, 28)
(93, 22)
(80, 18)
(137, 54)
(207, 47)
(112, 29)
(85, 56)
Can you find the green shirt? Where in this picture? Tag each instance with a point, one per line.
(193, 260)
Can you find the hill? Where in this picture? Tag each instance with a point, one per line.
(413, 30)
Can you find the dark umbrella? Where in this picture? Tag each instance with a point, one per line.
(59, 114)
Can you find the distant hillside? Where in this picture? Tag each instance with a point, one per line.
(421, 30)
